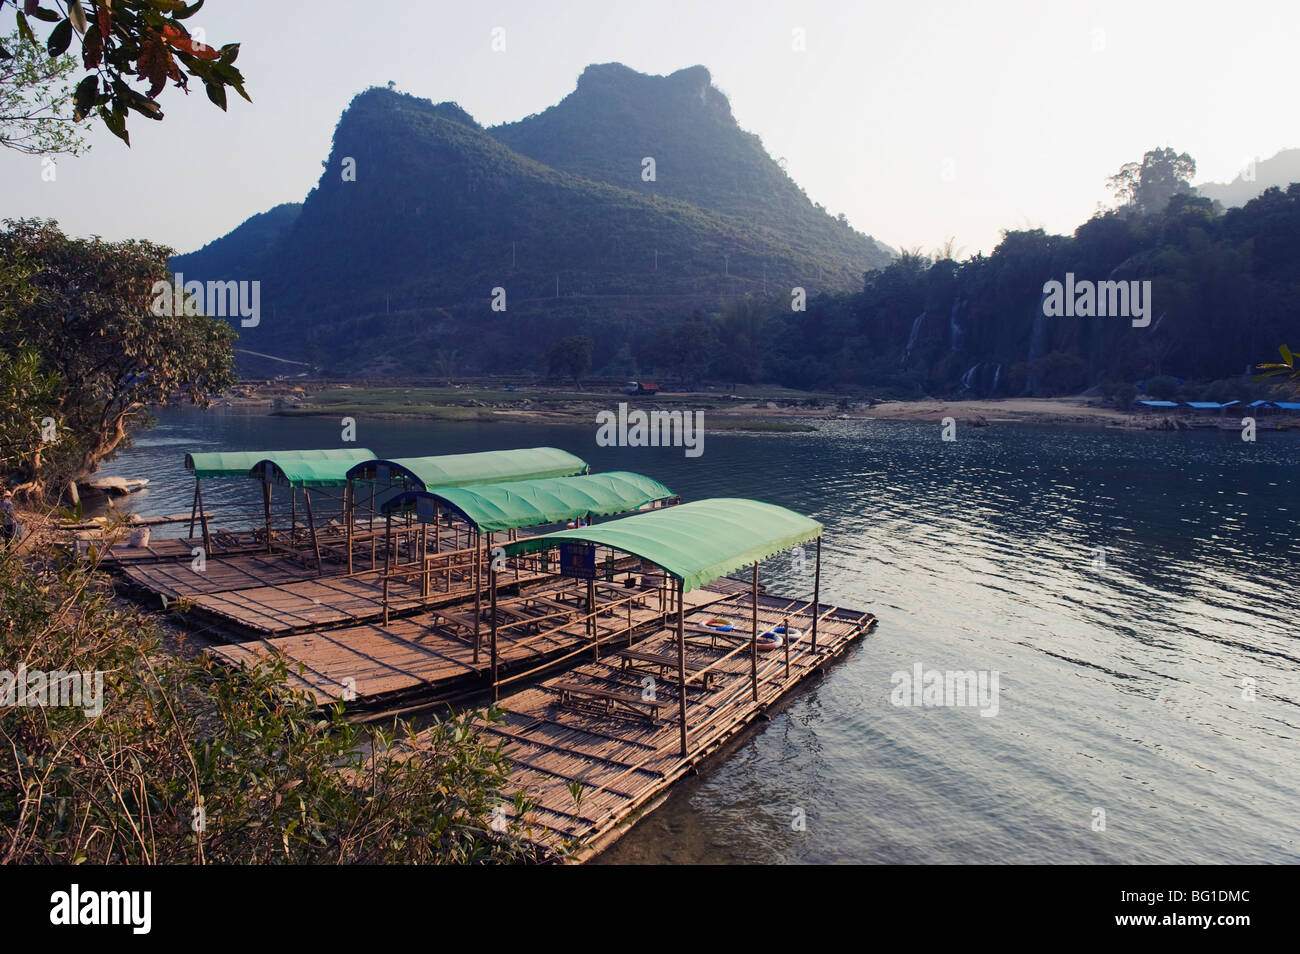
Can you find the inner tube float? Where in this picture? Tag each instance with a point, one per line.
(775, 638)
(720, 624)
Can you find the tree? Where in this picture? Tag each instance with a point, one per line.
(126, 41)
(570, 357)
(35, 100)
(446, 361)
(85, 308)
(1147, 187)
(741, 330)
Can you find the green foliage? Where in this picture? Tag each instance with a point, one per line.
(1163, 388)
(1120, 394)
(1286, 369)
(123, 42)
(1147, 186)
(1058, 373)
(190, 761)
(570, 357)
(36, 100)
(84, 308)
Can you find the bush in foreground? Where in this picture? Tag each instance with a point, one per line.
(191, 762)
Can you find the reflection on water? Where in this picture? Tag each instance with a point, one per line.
(1123, 584)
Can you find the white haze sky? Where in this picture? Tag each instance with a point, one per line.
(921, 121)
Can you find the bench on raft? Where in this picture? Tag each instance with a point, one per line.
(667, 664)
(608, 701)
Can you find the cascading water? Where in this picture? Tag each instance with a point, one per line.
(956, 333)
(911, 339)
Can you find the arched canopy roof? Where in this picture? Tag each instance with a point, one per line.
(492, 508)
(457, 470)
(241, 463)
(695, 542)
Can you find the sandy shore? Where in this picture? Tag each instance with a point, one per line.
(759, 409)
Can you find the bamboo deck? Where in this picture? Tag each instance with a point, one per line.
(176, 578)
(430, 656)
(625, 762)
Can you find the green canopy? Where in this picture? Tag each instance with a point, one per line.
(533, 503)
(695, 542)
(304, 473)
(458, 470)
(241, 463)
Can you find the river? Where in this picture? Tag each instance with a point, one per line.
(1134, 592)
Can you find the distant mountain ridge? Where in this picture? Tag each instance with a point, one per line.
(1280, 170)
(397, 269)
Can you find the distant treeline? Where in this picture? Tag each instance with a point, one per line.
(1224, 293)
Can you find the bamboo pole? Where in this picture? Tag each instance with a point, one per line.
(424, 560)
(786, 641)
(311, 525)
(266, 504)
(194, 510)
(492, 578)
(388, 520)
(681, 662)
(817, 592)
(753, 650)
(348, 515)
(591, 613)
(477, 577)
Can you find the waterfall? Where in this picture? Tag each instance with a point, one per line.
(956, 333)
(997, 375)
(969, 376)
(916, 333)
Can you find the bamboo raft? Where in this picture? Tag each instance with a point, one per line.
(431, 656)
(609, 729)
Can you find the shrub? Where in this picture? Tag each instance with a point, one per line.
(192, 762)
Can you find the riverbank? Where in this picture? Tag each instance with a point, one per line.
(746, 409)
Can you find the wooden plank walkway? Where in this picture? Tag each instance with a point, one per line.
(592, 726)
(430, 655)
(175, 578)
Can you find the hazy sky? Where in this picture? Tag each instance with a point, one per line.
(921, 121)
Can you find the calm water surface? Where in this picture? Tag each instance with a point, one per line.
(1121, 688)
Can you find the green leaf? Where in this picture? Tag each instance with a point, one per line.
(217, 93)
(59, 39)
(116, 123)
(5, 54)
(25, 28)
(189, 11)
(1287, 356)
(49, 16)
